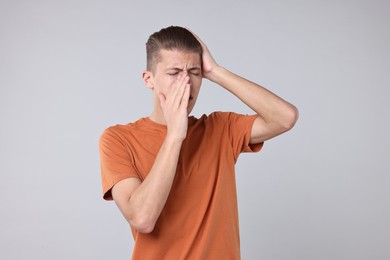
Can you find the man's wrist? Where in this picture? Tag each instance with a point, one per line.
(216, 74)
(174, 140)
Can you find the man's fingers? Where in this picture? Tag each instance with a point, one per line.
(173, 88)
(186, 96)
(196, 36)
(204, 46)
(179, 89)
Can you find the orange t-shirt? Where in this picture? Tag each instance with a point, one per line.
(200, 217)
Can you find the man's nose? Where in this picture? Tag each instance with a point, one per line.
(185, 73)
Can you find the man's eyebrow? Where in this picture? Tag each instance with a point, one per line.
(180, 69)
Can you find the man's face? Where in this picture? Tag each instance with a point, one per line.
(172, 64)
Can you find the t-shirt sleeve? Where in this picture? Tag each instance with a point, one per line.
(240, 129)
(116, 161)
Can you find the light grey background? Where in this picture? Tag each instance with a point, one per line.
(69, 69)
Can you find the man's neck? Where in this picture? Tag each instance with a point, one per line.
(158, 117)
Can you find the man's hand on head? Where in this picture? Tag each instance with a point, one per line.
(208, 63)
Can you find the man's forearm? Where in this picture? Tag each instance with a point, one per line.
(148, 200)
(271, 108)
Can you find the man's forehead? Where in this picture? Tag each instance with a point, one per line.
(179, 59)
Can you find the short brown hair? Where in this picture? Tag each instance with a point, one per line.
(170, 38)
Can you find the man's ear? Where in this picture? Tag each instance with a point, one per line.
(147, 76)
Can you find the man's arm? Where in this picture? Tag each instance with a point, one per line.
(142, 202)
(274, 115)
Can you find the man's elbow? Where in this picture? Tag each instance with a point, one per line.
(142, 224)
(290, 118)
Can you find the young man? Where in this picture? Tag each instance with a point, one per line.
(171, 174)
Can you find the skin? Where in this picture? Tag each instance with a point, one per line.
(175, 84)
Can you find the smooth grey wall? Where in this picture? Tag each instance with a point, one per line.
(69, 69)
